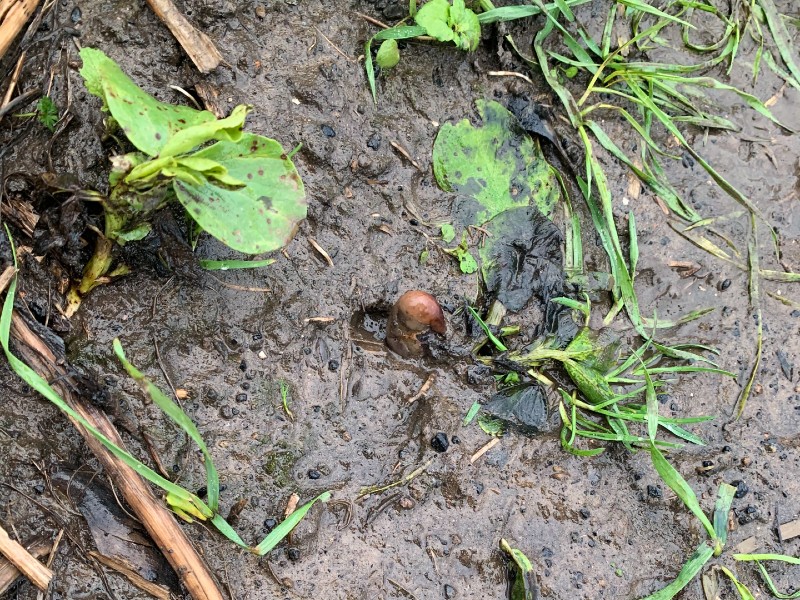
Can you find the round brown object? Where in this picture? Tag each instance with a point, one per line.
(416, 311)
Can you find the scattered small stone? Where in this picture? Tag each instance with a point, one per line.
(727, 449)
(243, 366)
(270, 524)
(440, 442)
(261, 11)
(449, 591)
(413, 222)
(455, 439)
(227, 412)
(741, 488)
(244, 385)
(724, 285)
(748, 515)
(314, 474)
(39, 488)
(374, 141)
(328, 131)
(75, 16)
(747, 461)
(241, 397)
(584, 513)
(293, 554)
(654, 491)
(333, 364)
(407, 503)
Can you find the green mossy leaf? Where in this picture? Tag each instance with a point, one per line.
(493, 166)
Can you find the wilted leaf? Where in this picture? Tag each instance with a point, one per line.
(523, 406)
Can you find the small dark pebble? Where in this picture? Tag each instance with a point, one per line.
(687, 161)
(724, 285)
(227, 412)
(748, 515)
(243, 366)
(293, 553)
(413, 222)
(333, 364)
(455, 439)
(591, 542)
(314, 474)
(439, 442)
(39, 488)
(328, 131)
(241, 397)
(75, 15)
(270, 524)
(727, 449)
(176, 468)
(257, 337)
(449, 591)
(708, 463)
(584, 513)
(741, 488)
(547, 552)
(201, 492)
(374, 141)
(654, 491)
(795, 313)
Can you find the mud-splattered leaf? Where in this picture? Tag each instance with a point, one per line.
(493, 166)
(448, 233)
(466, 261)
(261, 216)
(146, 122)
(522, 406)
(522, 258)
(465, 25)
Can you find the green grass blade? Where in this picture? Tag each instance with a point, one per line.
(780, 35)
(512, 13)
(36, 382)
(224, 265)
(678, 484)
(692, 567)
(497, 343)
(289, 523)
(652, 406)
(741, 589)
(721, 509)
(175, 412)
(753, 260)
(782, 557)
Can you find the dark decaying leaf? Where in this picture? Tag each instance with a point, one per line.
(522, 406)
(522, 258)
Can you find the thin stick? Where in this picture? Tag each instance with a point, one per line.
(39, 575)
(405, 153)
(12, 85)
(334, 46)
(321, 251)
(197, 45)
(424, 389)
(12, 22)
(492, 443)
(510, 74)
(373, 20)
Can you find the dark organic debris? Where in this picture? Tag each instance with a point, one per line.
(522, 406)
(440, 442)
(522, 258)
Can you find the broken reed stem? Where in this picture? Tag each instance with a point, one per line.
(197, 45)
(13, 16)
(159, 522)
(38, 574)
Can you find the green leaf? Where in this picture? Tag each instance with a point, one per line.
(175, 412)
(448, 233)
(47, 112)
(493, 167)
(260, 217)
(224, 265)
(388, 54)
(490, 425)
(692, 567)
(434, 16)
(146, 122)
(524, 586)
(471, 413)
(466, 261)
(228, 129)
(466, 26)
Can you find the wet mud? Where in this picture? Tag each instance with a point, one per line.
(605, 527)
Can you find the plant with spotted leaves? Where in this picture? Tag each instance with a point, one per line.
(239, 187)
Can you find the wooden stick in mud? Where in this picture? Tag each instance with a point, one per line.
(9, 573)
(196, 44)
(159, 522)
(16, 554)
(13, 16)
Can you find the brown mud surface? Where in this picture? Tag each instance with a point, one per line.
(605, 527)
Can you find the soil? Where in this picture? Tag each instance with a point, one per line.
(605, 527)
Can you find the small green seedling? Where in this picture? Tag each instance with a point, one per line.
(466, 261)
(46, 113)
(438, 19)
(239, 187)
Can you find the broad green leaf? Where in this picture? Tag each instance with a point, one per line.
(466, 26)
(146, 122)
(388, 54)
(448, 233)
(524, 586)
(260, 217)
(228, 129)
(493, 167)
(434, 16)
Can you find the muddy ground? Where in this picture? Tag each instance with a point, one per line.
(593, 528)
